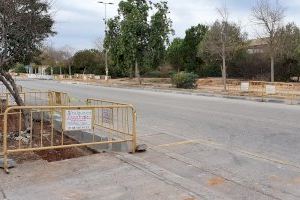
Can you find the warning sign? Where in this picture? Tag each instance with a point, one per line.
(245, 86)
(270, 89)
(107, 115)
(78, 120)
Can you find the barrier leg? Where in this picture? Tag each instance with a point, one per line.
(134, 133)
(5, 163)
(5, 156)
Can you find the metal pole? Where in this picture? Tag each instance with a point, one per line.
(5, 156)
(106, 64)
(106, 51)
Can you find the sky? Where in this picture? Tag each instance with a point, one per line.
(79, 23)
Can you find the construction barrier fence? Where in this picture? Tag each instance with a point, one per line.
(264, 90)
(38, 98)
(56, 127)
(3, 89)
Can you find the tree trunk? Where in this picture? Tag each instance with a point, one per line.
(137, 72)
(130, 72)
(272, 69)
(70, 72)
(224, 67)
(60, 70)
(11, 86)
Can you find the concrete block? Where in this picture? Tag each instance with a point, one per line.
(141, 148)
(86, 137)
(11, 163)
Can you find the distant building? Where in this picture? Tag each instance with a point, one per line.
(257, 45)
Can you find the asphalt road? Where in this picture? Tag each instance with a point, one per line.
(234, 148)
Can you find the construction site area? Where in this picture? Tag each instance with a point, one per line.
(69, 140)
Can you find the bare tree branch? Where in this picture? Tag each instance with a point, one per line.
(270, 17)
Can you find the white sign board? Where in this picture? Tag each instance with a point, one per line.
(78, 120)
(245, 86)
(270, 89)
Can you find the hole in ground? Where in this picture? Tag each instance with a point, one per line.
(63, 154)
(48, 155)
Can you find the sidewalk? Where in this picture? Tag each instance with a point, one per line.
(96, 177)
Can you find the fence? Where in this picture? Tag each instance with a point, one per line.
(101, 102)
(56, 127)
(37, 98)
(287, 91)
(59, 98)
(119, 118)
(4, 90)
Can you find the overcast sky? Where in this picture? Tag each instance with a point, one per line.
(80, 22)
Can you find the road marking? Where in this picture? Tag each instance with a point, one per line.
(233, 150)
(178, 143)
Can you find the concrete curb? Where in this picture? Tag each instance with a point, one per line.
(193, 93)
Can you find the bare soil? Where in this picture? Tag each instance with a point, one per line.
(48, 155)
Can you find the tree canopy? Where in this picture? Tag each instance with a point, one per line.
(182, 53)
(89, 62)
(24, 25)
(134, 40)
(211, 46)
(269, 16)
(175, 54)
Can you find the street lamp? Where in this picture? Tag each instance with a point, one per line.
(106, 51)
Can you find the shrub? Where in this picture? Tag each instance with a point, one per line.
(184, 80)
(20, 69)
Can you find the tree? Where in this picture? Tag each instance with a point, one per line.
(66, 58)
(270, 17)
(193, 36)
(221, 43)
(175, 54)
(160, 29)
(116, 50)
(288, 50)
(133, 40)
(134, 31)
(89, 62)
(52, 57)
(24, 25)
(183, 53)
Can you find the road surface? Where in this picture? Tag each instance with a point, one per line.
(233, 148)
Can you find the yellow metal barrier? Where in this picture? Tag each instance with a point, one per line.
(286, 91)
(121, 115)
(56, 127)
(37, 98)
(59, 98)
(4, 90)
(101, 102)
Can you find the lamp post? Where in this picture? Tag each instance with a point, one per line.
(106, 51)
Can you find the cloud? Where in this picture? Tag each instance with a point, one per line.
(80, 22)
